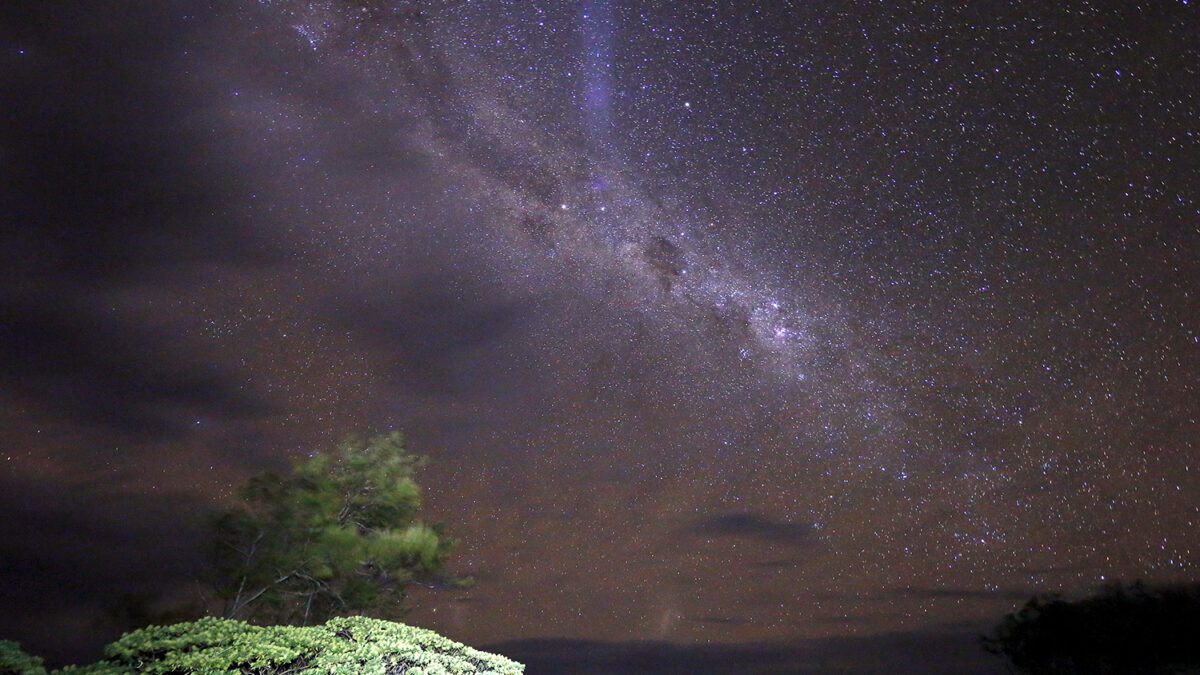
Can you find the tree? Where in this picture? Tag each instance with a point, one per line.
(336, 535)
(1123, 629)
(13, 661)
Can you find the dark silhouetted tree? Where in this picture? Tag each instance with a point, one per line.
(337, 535)
(1123, 629)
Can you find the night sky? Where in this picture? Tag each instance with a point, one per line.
(808, 334)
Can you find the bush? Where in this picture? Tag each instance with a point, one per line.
(343, 646)
(13, 661)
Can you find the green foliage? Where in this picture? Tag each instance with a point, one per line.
(337, 535)
(13, 661)
(1123, 629)
(344, 646)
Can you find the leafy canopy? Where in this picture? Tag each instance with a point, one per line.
(353, 645)
(13, 661)
(1123, 629)
(339, 534)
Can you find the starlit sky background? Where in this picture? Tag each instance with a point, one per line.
(798, 334)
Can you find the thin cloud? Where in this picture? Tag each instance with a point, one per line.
(755, 526)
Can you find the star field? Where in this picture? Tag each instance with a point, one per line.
(746, 323)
